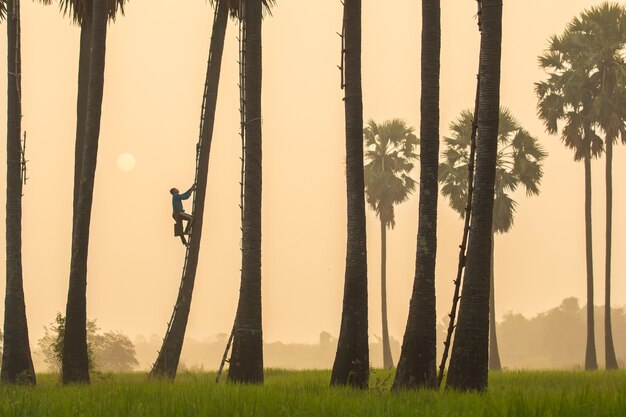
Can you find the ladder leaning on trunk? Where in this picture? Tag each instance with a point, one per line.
(242, 134)
(193, 206)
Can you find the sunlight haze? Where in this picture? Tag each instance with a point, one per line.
(155, 69)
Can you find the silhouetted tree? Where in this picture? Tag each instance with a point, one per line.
(389, 155)
(351, 366)
(75, 356)
(518, 163)
(246, 364)
(82, 12)
(417, 365)
(17, 363)
(169, 354)
(470, 351)
(569, 96)
(603, 30)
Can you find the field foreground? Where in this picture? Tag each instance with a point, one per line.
(292, 393)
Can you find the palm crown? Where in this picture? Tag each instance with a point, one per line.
(80, 10)
(602, 32)
(568, 94)
(389, 156)
(518, 162)
(233, 6)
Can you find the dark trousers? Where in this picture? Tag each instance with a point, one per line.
(179, 216)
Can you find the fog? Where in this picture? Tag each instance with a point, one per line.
(156, 62)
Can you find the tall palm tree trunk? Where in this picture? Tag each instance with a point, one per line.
(591, 362)
(75, 363)
(351, 366)
(81, 105)
(611, 360)
(494, 355)
(17, 363)
(169, 355)
(417, 365)
(246, 364)
(469, 361)
(387, 358)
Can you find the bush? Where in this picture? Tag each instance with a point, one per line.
(108, 352)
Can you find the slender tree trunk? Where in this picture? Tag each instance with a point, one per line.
(611, 360)
(351, 366)
(246, 363)
(469, 362)
(17, 363)
(417, 365)
(494, 355)
(387, 358)
(81, 105)
(75, 363)
(463, 246)
(591, 362)
(169, 355)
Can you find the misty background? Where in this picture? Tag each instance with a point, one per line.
(153, 90)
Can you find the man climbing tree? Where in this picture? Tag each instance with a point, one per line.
(178, 213)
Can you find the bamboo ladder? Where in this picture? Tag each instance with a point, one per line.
(242, 134)
(193, 209)
(466, 227)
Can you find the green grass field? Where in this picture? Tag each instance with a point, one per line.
(291, 393)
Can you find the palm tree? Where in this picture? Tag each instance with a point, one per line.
(75, 363)
(568, 97)
(603, 29)
(417, 365)
(246, 363)
(469, 361)
(351, 366)
(17, 363)
(169, 355)
(518, 163)
(389, 154)
(82, 13)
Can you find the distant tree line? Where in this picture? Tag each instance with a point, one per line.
(552, 339)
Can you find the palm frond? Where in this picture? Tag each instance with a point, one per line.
(503, 212)
(586, 81)
(389, 152)
(519, 161)
(234, 6)
(80, 10)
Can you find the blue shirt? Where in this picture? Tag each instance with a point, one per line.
(177, 201)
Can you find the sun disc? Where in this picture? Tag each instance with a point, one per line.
(126, 162)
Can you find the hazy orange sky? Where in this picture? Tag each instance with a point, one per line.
(156, 62)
